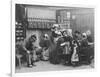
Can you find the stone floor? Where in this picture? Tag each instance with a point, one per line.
(47, 66)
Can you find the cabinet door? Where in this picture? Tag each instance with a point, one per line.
(63, 18)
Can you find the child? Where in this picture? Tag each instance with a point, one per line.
(67, 47)
(75, 56)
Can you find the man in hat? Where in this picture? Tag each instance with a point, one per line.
(30, 48)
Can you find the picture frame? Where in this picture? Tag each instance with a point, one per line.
(13, 34)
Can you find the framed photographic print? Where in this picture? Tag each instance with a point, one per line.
(51, 37)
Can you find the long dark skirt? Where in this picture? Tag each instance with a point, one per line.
(54, 55)
(86, 54)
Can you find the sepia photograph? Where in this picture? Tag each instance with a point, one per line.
(53, 38)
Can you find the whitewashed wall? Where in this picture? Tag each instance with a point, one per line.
(38, 12)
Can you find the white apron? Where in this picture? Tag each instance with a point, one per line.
(75, 57)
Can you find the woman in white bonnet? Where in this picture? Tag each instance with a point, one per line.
(69, 32)
(85, 49)
(89, 37)
(84, 35)
(55, 27)
(88, 32)
(55, 34)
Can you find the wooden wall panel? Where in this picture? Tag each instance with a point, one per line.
(84, 20)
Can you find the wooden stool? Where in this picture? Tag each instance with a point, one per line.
(19, 59)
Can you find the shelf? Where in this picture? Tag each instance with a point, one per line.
(20, 32)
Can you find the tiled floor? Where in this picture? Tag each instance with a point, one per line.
(46, 66)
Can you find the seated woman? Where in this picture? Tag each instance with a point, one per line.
(45, 44)
(90, 44)
(86, 50)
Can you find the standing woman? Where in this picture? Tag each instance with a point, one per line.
(55, 34)
(67, 46)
